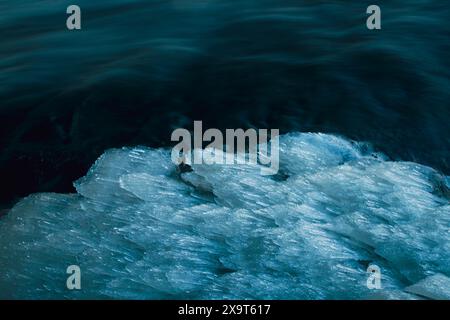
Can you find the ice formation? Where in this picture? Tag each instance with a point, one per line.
(141, 229)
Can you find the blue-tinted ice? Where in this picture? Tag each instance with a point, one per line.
(139, 229)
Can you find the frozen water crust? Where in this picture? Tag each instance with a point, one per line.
(140, 229)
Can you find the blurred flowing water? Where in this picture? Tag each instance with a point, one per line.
(138, 69)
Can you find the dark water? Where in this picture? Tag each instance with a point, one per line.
(139, 69)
